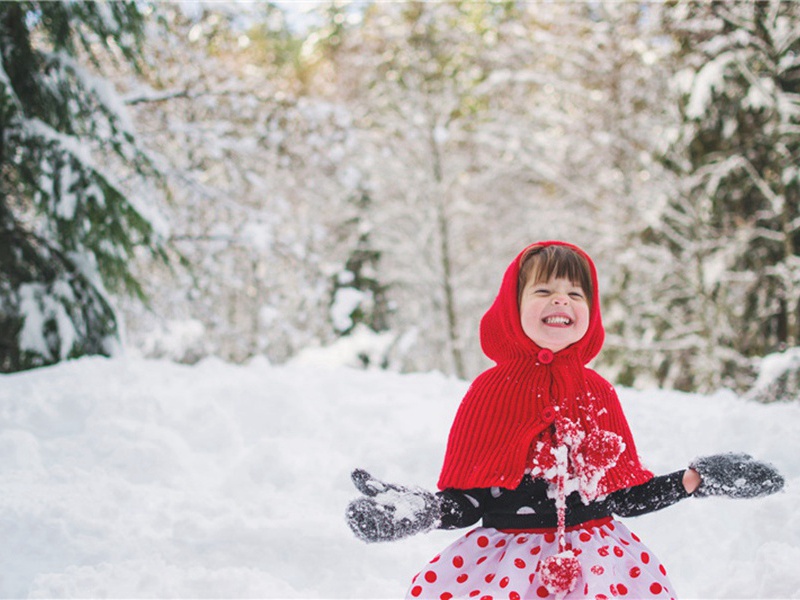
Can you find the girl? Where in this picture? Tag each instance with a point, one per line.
(540, 450)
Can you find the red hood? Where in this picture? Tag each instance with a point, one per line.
(502, 338)
(511, 406)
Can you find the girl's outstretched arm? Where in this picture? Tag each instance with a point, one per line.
(660, 492)
(731, 475)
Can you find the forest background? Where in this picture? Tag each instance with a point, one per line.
(264, 179)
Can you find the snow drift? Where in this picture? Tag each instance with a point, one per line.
(134, 478)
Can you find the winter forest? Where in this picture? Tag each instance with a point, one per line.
(265, 179)
(245, 248)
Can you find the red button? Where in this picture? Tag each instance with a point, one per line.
(545, 356)
(548, 414)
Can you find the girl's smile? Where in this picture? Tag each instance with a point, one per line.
(554, 314)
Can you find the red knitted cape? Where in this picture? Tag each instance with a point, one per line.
(509, 406)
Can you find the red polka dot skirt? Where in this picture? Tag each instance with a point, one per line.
(487, 564)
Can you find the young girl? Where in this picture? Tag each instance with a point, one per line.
(540, 451)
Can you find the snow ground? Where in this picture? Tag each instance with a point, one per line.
(133, 478)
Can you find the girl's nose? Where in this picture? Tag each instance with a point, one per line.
(560, 299)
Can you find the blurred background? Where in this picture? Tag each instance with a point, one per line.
(239, 180)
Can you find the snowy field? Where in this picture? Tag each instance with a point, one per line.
(140, 479)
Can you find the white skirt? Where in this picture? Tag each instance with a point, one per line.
(489, 564)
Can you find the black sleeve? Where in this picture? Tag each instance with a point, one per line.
(462, 508)
(660, 492)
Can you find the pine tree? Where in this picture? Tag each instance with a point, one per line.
(733, 227)
(70, 164)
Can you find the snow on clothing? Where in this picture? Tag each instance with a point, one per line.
(545, 414)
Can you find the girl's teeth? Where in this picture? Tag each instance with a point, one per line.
(557, 320)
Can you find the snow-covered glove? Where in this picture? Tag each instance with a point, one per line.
(390, 512)
(736, 475)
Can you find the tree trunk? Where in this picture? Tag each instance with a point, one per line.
(446, 264)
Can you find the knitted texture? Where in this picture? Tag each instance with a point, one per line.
(510, 407)
(388, 512)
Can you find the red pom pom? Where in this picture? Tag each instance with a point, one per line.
(560, 573)
(601, 449)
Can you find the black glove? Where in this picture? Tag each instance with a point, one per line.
(736, 476)
(390, 512)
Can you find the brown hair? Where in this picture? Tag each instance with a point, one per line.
(540, 263)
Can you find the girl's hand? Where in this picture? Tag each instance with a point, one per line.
(734, 476)
(389, 512)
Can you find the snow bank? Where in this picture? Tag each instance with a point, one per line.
(133, 478)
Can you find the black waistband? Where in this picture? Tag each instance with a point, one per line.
(575, 515)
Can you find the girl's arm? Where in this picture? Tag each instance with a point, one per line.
(731, 475)
(660, 492)
(461, 508)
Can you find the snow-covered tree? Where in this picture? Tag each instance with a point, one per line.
(266, 202)
(456, 159)
(733, 224)
(612, 83)
(72, 180)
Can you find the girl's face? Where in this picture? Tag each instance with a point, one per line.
(554, 313)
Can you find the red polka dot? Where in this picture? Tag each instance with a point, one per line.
(645, 557)
(487, 597)
(522, 539)
(598, 570)
(601, 597)
(662, 569)
(549, 537)
(635, 572)
(531, 577)
(462, 578)
(610, 526)
(655, 588)
(430, 576)
(603, 550)
(416, 591)
(474, 593)
(535, 550)
(446, 596)
(435, 558)
(542, 592)
(458, 562)
(483, 541)
(635, 537)
(618, 552)
(489, 578)
(621, 589)
(585, 537)
(504, 582)
(481, 559)
(514, 596)
(500, 544)
(624, 542)
(519, 563)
